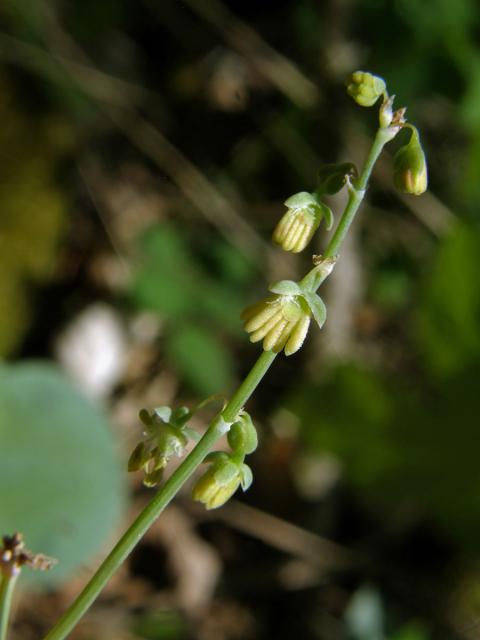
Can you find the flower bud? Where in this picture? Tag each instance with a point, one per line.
(410, 167)
(242, 436)
(365, 88)
(281, 321)
(297, 226)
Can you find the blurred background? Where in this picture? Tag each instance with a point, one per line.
(146, 150)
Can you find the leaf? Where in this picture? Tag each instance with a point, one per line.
(317, 307)
(165, 281)
(449, 311)
(61, 483)
(201, 359)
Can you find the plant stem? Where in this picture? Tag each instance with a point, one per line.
(7, 586)
(171, 487)
(151, 512)
(357, 192)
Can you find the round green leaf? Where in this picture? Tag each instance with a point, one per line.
(61, 481)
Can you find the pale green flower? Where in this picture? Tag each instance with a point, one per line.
(280, 321)
(219, 483)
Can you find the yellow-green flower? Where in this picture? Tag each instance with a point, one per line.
(219, 483)
(281, 321)
(365, 88)
(301, 220)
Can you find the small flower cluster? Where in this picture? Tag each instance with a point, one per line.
(165, 435)
(282, 320)
(228, 471)
(366, 88)
(14, 555)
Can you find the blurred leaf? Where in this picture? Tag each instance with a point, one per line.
(161, 625)
(32, 209)
(61, 484)
(448, 317)
(349, 414)
(174, 283)
(200, 359)
(165, 282)
(411, 631)
(232, 264)
(391, 288)
(399, 446)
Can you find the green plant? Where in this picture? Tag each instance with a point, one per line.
(281, 322)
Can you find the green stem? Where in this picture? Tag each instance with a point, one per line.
(171, 487)
(151, 512)
(7, 586)
(357, 192)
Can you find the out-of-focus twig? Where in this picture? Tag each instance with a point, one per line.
(141, 133)
(275, 67)
(284, 535)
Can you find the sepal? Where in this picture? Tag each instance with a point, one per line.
(246, 477)
(286, 288)
(317, 307)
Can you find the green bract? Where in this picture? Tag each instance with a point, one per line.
(333, 177)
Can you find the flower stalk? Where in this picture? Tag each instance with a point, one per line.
(281, 318)
(7, 586)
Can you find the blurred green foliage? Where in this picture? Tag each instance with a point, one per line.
(404, 432)
(32, 218)
(448, 315)
(201, 299)
(61, 482)
(401, 443)
(160, 625)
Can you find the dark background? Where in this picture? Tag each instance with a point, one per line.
(146, 150)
